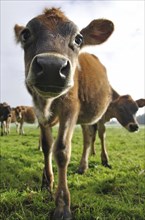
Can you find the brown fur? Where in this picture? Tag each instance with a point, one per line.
(56, 13)
(63, 88)
(123, 108)
(24, 114)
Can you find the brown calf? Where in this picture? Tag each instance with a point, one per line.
(24, 114)
(12, 119)
(123, 108)
(75, 92)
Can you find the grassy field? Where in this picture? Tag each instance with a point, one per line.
(99, 194)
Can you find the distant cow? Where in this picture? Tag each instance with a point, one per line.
(75, 92)
(24, 114)
(123, 108)
(12, 119)
(5, 111)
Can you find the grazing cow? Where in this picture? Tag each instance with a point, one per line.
(75, 92)
(5, 111)
(12, 119)
(24, 114)
(123, 108)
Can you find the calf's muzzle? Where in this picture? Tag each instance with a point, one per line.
(50, 73)
(132, 127)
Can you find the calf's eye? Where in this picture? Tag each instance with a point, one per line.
(25, 35)
(78, 40)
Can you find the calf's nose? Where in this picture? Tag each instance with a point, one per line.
(55, 67)
(133, 127)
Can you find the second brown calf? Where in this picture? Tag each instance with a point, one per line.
(124, 109)
(24, 114)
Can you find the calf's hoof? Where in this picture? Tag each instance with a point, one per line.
(93, 153)
(47, 183)
(107, 165)
(62, 214)
(80, 170)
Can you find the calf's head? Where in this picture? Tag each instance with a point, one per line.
(51, 44)
(125, 109)
(19, 110)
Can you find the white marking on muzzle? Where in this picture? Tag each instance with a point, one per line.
(70, 81)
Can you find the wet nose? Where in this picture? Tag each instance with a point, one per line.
(133, 127)
(55, 67)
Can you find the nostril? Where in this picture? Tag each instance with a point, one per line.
(39, 66)
(64, 70)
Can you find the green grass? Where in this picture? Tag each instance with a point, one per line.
(99, 194)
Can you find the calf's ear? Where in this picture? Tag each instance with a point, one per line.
(140, 103)
(97, 32)
(18, 29)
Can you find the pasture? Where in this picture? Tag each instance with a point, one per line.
(99, 194)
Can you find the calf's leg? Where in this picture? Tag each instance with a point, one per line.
(104, 155)
(47, 141)
(21, 130)
(62, 153)
(2, 128)
(87, 140)
(93, 129)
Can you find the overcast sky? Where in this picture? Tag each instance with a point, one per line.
(122, 53)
